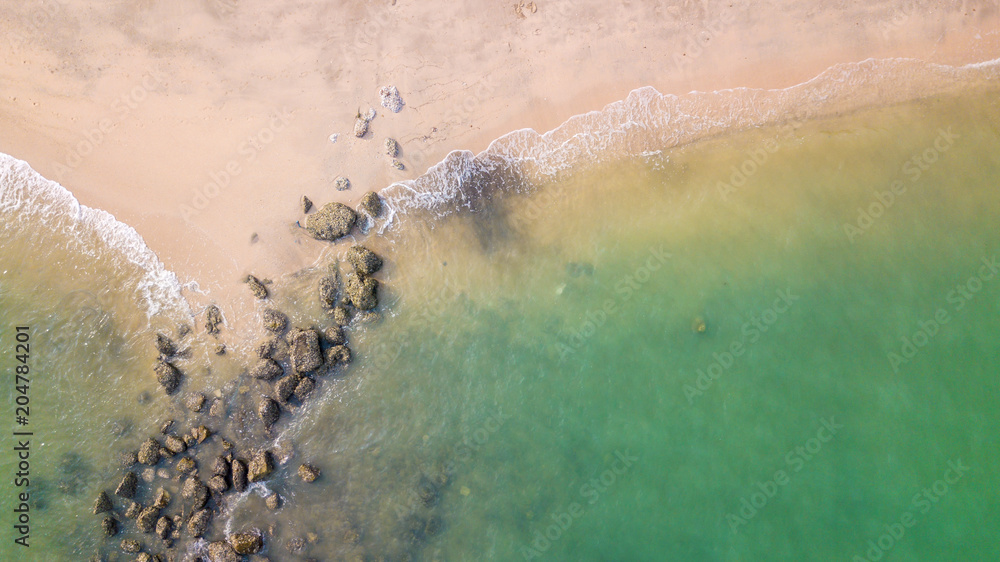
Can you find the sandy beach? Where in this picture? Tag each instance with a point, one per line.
(202, 124)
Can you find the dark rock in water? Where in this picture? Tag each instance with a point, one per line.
(103, 503)
(201, 433)
(362, 292)
(163, 527)
(256, 287)
(364, 261)
(269, 411)
(261, 466)
(220, 467)
(371, 204)
(427, 491)
(149, 452)
(307, 205)
(162, 499)
(213, 317)
(220, 349)
(247, 543)
(218, 484)
(109, 526)
(221, 551)
(296, 545)
(329, 291)
(195, 491)
(165, 346)
(194, 401)
(338, 356)
(273, 348)
(341, 316)
(239, 475)
(198, 523)
(218, 408)
(334, 335)
(273, 502)
(305, 351)
(131, 546)
(147, 519)
(274, 321)
(128, 458)
(266, 369)
(185, 465)
(433, 526)
(174, 444)
(284, 388)
(333, 221)
(308, 472)
(168, 376)
(128, 486)
(132, 509)
(304, 388)
(166, 426)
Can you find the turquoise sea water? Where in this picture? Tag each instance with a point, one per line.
(779, 344)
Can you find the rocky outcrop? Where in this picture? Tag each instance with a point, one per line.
(274, 321)
(261, 466)
(371, 204)
(305, 351)
(362, 292)
(168, 376)
(266, 370)
(363, 260)
(256, 287)
(333, 221)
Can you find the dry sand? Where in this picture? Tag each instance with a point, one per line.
(202, 122)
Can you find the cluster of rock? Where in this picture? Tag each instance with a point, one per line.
(334, 221)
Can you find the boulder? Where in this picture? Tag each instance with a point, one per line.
(261, 466)
(362, 292)
(273, 501)
(131, 546)
(165, 346)
(218, 484)
(147, 519)
(256, 287)
(334, 335)
(363, 260)
(195, 491)
(168, 376)
(371, 204)
(308, 472)
(305, 351)
(333, 221)
(269, 411)
(391, 147)
(194, 401)
(174, 444)
(128, 486)
(304, 388)
(284, 388)
(266, 369)
(307, 205)
(163, 527)
(103, 503)
(329, 291)
(341, 316)
(221, 551)
(342, 183)
(109, 526)
(162, 499)
(149, 452)
(185, 465)
(198, 523)
(338, 356)
(274, 321)
(239, 475)
(247, 543)
(220, 467)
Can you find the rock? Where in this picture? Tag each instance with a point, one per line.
(397, 164)
(201, 433)
(128, 458)
(363, 260)
(304, 388)
(163, 527)
(272, 348)
(239, 475)
(306, 204)
(269, 411)
(338, 356)
(165, 346)
(146, 557)
(308, 472)
(360, 127)
(341, 316)
(131, 546)
(391, 99)
(333, 221)
(273, 502)
(334, 335)
(162, 499)
(266, 369)
(218, 484)
(256, 287)
(195, 491)
(168, 376)
(174, 444)
(221, 551)
(220, 467)
(218, 408)
(149, 452)
(147, 519)
(165, 427)
(185, 465)
(198, 523)
(132, 510)
(391, 147)
(247, 543)
(109, 526)
(261, 466)
(220, 349)
(213, 317)
(284, 388)
(194, 401)
(274, 321)
(371, 204)
(128, 486)
(103, 503)
(329, 291)
(362, 292)
(342, 183)
(305, 351)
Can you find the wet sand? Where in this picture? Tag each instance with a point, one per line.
(202, 124)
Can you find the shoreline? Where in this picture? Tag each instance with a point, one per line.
(259, 131)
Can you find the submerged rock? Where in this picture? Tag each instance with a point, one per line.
(174, 444)
(371, 204)
(218, 484)
(273, 501)
(333, 221)
(103, 503)
(195, 491)
(305, 351)
(149, 452)
(308, 473)
(261, 466)
(132, 509)
(168, 376)
(363, 260)
(198, 523)
(338, 355)
(194, 401)
(162, 499)
(220, 467)
(274, 321)
(213, 317)
(185, 465)
(256, 287)
(247, 543)
(272, 348)
(266, 369)
(269, 411)
(362, 292)
(147, 519)
(329, 291)
(165, 346)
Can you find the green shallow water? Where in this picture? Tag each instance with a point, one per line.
(540, 387)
